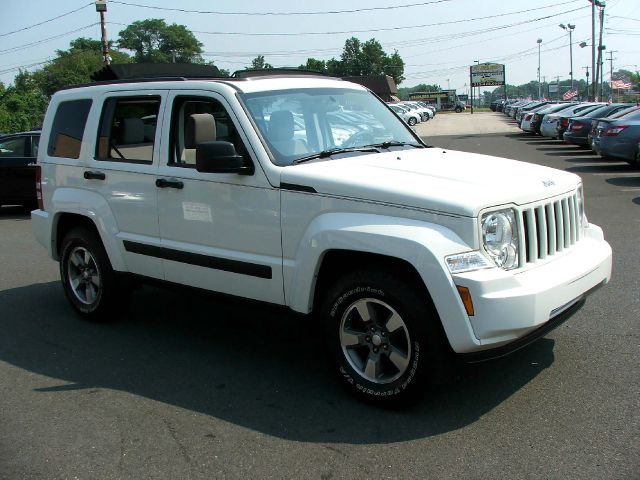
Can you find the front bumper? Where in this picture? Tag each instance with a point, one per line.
(509, 306)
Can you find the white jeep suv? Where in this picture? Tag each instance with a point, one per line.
(310, 193)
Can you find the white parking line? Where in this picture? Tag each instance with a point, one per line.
(631, 189)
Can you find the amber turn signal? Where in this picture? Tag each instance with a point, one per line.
(465, 295)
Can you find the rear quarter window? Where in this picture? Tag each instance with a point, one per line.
(67, 130)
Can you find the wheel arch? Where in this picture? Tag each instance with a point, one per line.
(339, 242)
(73, 208)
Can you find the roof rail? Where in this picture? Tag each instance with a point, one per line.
(274, 72)
(124, 80)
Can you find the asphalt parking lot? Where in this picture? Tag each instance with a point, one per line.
(191, 386)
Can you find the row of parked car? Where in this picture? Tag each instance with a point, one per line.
(612, 130)
(413, 112)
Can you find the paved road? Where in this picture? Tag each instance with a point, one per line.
(463, 123)
(185, 386)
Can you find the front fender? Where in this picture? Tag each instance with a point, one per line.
(424, 245)
(93, 206)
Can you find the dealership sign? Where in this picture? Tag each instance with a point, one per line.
(487, 75)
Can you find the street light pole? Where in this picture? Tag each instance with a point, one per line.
(569, 28)
(539, 84)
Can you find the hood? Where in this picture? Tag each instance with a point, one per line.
(440, 180)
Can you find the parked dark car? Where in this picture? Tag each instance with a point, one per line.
(618, 138)
(596, 122)
(563, 121)
(580, 126)
(18, 153)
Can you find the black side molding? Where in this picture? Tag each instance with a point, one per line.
(217, 263)
(297, 188)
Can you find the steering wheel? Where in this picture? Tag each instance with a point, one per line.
(360, 138)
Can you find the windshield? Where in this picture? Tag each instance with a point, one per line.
(304, 122)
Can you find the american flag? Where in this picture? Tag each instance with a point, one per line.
(624, 84)
(570, 94)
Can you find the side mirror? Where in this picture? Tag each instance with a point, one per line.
(220, 157)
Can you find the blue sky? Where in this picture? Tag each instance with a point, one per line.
(432, 53)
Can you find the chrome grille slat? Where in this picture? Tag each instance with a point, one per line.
(548, 228)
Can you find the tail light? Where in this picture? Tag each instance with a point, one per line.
(528, 117)
(537, 117)
(576, 125)
(564, 122)
(614, 131)
(39, 187)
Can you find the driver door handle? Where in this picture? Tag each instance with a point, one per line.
(169, 183)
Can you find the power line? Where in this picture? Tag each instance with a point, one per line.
(387, 29)
(44, 40)
(46, 21)
(330, 12)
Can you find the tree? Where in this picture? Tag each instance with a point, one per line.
(22, 105)
(258, 63)
(361, 58)
(315, 65)
(153, 41)
(75, 66)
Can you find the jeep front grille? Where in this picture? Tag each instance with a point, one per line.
(548, 228)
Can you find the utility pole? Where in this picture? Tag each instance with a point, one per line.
(601, 48)
(101, 7)
(558, 85)
(539, 84)
(611, 59)
(593, 45)
(587, 69)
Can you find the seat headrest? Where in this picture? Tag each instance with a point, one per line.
(132, 131)
(281, 126)
(201, 127)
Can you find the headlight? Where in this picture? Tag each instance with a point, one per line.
(500, 238)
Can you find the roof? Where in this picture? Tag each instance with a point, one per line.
(123, 71)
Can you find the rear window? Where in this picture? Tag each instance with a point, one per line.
(68, 128)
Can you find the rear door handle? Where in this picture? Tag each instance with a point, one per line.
(89, 175)
(169, 183)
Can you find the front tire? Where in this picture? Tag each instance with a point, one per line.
(412, 121)
(384, 337)
(458, 109)
(88, 279)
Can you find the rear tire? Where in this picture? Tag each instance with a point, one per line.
(88, 279)
(394, 355)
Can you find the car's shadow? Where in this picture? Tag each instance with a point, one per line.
(14, 213)
(629, 182)
(253, 366)
(599, 168)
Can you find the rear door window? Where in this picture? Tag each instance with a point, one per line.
(127, 129)
(67, 130)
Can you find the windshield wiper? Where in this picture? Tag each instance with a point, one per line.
(333, 151)
(386, 145)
